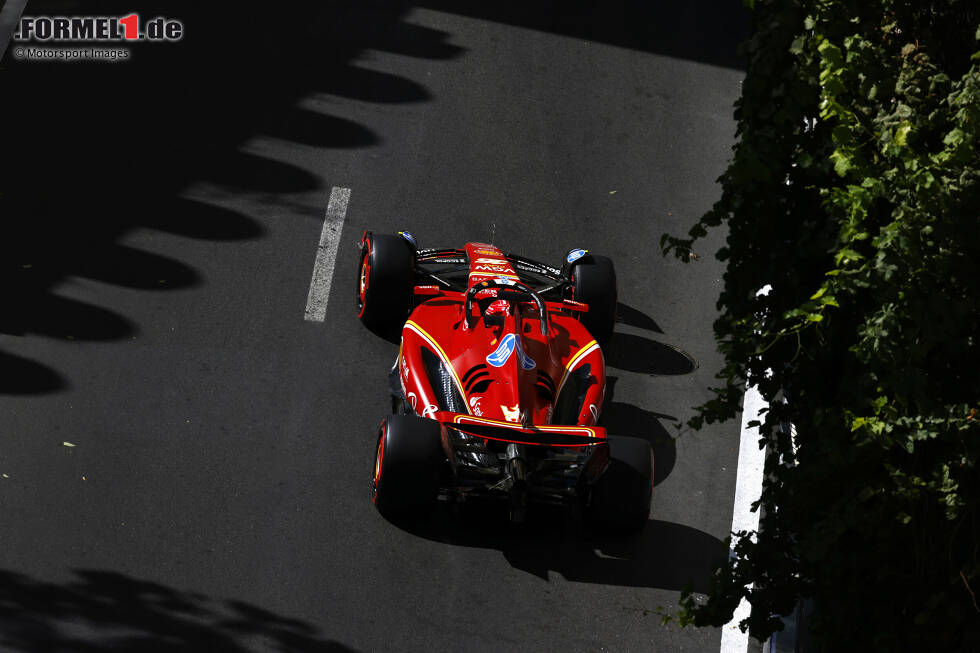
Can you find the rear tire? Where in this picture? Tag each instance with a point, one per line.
(407, 466)
(620, 499)
(385, 277)
(594, 279)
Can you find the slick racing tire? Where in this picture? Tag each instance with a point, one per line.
(594, 283)
(384, 279)
(620, 499)
(407, 466)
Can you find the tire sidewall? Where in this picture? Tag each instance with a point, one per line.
(594, 283)
(408, 461)
(389, 263)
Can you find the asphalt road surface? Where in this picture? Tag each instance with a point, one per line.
(186, 460)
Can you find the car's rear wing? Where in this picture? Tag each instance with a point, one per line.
(544, 435)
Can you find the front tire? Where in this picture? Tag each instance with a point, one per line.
(385, 277)
(594, 283)
(407, 466)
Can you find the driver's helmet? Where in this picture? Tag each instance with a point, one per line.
(498, 307)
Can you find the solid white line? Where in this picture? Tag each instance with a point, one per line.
(748, 489)
(326, 255)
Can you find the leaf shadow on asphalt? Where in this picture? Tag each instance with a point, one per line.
(109, 611)
(22, 376)
(96, 151)
(665, 555)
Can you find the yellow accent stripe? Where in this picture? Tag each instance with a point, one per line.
(467, 419)
(442, 354)
(576, 359)
(506, 275)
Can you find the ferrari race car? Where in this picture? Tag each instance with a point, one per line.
(499, 382)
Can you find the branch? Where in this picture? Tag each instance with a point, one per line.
(972, 595)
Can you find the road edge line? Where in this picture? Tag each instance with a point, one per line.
(748, 489)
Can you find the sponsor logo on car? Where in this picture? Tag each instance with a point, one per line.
(503, 351)
(407, 235)
(511, 414)
(475, 406)
(576, 254)
(429, 410)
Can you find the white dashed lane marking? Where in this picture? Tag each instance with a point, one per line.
(326, 255)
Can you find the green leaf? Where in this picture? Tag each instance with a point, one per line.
(847, 255)
(901, 134)
(831, 54)
(954, 138)
(842, 162)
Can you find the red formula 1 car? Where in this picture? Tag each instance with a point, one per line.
(499, 382)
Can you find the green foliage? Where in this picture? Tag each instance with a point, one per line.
(855, 193)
